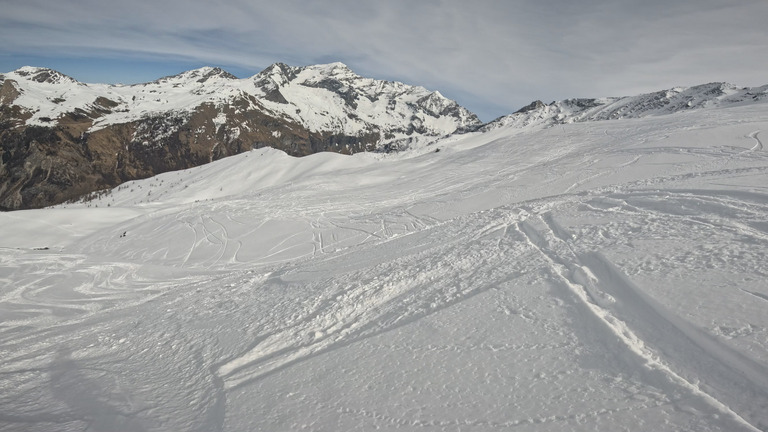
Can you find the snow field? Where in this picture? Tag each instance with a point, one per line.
(593, 276)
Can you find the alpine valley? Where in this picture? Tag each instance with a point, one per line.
(580, 265)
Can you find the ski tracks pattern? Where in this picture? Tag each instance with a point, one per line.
(673, 353)
(355, 305)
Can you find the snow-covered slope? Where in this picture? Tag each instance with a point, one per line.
(590, 276)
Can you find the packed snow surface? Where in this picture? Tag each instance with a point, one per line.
(604, 275)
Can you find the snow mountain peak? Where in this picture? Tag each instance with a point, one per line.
(42, 75)
(334, 68)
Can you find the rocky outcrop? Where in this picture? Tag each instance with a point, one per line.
(8, 92)
(533, 106)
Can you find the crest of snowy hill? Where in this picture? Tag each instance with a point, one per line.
(323, 99)
(611, 108)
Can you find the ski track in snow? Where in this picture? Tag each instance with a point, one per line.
(638, 322)
(581, 277)
(758, 144)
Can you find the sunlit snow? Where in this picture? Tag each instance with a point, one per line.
(605, 275)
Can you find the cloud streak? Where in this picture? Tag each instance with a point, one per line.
(491, 56)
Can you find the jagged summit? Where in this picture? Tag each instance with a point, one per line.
(537, 104)
(200, 75)
(277, 68)
(43, 75)
(279, 73)
(272, 78)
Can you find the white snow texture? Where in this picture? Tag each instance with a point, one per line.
(552, 275)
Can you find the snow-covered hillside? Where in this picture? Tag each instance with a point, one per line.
(604, 275)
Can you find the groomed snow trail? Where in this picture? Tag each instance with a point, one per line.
(595, 276)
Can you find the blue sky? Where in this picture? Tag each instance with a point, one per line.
(491, 56)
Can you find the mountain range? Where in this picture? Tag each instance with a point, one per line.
(62, 139)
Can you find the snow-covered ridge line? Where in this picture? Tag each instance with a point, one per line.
(662, 102)
(322, 98)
